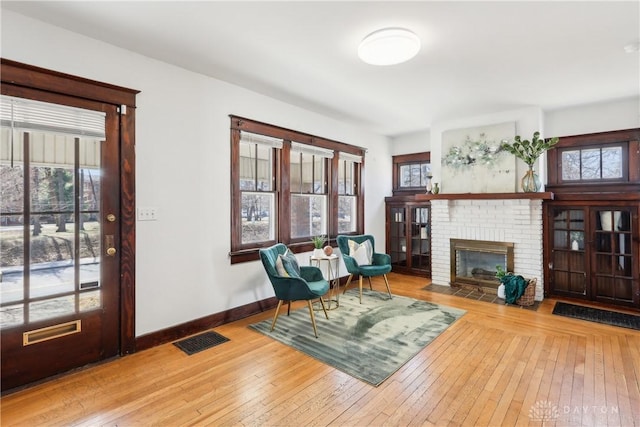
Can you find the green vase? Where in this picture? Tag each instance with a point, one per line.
(531, 182)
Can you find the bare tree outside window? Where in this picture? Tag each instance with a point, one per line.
(592, 164)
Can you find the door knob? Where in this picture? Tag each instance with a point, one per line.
(111, 251)
(111, 217)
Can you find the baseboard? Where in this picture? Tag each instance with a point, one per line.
(173, 333)
(177, 332)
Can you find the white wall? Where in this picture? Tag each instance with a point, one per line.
(592, 118)
(182, 169)
(417, 142)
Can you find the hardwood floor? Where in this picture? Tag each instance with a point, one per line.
(496, 366)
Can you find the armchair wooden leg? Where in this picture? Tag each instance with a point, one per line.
(360, 283)
(387, 283)
(348, 282)
(370, 285)
(275, 317)
(288, 308)
(313, 319)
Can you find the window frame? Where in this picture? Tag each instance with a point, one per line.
(282, 161)
(629, 140)
(408, 160)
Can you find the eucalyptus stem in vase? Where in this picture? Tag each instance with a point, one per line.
(529, 152)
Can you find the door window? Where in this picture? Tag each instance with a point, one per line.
(50, 169)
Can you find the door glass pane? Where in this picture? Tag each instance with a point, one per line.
(560, 239)
(577, 219)
(57, 219)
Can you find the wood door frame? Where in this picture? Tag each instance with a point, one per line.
(16, 75)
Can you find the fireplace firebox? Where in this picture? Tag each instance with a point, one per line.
(473, 262)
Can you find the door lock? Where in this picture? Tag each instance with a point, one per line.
(109, 244)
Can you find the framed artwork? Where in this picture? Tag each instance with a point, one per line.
(472, 161)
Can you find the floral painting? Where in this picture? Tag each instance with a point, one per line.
(473, 162)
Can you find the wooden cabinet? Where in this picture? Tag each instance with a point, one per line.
(408, 235)
(593, 251)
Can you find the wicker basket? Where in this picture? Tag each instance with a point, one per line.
(529, 293)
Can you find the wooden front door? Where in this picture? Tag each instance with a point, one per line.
(60, 234)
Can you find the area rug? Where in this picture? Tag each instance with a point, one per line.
(591, 314)
(200, 342)
(369, 341)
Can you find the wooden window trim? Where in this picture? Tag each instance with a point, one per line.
(630, 141)
(243, 253)
(402, 160)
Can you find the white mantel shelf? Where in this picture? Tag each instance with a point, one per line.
(486, 196)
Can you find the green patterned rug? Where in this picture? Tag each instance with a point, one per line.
(369, 341)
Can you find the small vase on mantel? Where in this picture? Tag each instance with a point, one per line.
(531, 181)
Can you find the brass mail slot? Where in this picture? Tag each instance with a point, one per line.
(51, 332)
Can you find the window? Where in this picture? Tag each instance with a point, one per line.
(309, 190)
(257, 191)
(287, 186)
(348, 170)
(411, 173)
(602, 162)
(597, 163)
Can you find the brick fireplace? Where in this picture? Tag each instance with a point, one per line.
(510, 218)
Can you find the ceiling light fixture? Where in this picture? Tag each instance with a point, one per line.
(389, 46)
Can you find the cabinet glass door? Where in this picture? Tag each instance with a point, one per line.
(612, 259)
(420, 238)
(594, 253)
(397, 236)
(568, 259)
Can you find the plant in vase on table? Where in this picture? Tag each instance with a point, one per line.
(529, 152)
(318, 242)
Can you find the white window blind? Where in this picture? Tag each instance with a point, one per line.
(297, 147)
(254, 138)
(350, 157)
(27, 114)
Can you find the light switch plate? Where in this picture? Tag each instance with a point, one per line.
(147, 214)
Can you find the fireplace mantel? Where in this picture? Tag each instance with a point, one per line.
(486, 196)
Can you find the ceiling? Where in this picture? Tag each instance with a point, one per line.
(477, 57)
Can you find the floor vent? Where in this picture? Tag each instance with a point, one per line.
(200, 342)
(591, 314)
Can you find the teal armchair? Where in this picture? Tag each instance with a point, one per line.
(303, 283)
(380, 262)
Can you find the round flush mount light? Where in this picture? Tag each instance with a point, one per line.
(389, 46)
